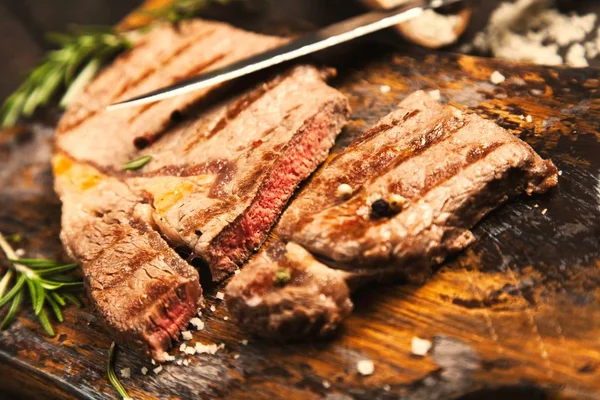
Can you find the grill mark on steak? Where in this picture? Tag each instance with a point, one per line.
(178, 50)
(451, 176)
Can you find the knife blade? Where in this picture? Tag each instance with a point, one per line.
(332, 35)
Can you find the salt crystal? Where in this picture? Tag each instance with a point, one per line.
(387, 388)
(190, 350)
(529, 119)
(236, 356)
(182, 347)
(497, 78)
(435, 94)
(225, 318)
(385, 89)
(365, 367)
(186, 362)
(212, 308)
(186, 335)
(220, 295)
(158, 369)
(237, 271)
(419, 346)
(167, 357)
(20, 252)
(126, 372)
(144, 370)
(197, 323)
(559, 173)
(244, 342)
(179, 362)
(544, 211)
(326, 384)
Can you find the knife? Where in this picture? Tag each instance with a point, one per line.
(332, 35)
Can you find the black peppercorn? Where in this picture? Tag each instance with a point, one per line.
(380, 209)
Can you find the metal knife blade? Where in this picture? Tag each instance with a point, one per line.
(327, 37)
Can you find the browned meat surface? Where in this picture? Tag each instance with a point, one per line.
(217, 181)
(419, 180)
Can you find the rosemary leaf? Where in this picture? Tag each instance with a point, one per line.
(110, 371)
(12, 311)
(55, 308)
(5, 281)
(32, 291)
(43, 318)
(13, 292)
(56, 270)
(58, 298)
(71, 298)
(47, 284)
(39, 304)
(35, 262)
(82, 79)
(137, 163)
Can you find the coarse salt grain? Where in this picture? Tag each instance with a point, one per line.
(236, 356)
(522, 117)
(497, 78)
(167, 357)
(126, 373)
(179, 362)
(326, 384)
(344, 191)
(144, 370)
(186, 362)
(244, 342)
(387, 388)
(212, 308)
(182, 347)
(158, 370)
(190, 350)
(420, 347)
(544, 211)
(529, 119)
(559, 173)
(186, 335)
(237, 271)
(206, 348)
(197, 323)
(220, 295)
(153, 362)
(365, 367)
(225, 318)
(435, 94)
(385, 89)
(20, 252)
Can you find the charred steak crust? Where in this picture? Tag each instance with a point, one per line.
(220, 175)
(420, 179)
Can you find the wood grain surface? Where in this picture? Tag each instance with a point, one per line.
(515, 316)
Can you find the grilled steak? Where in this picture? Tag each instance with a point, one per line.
(418, 181)
(217, 181)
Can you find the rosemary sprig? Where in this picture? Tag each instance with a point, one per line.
(43, 279)
(137, 163)
(112, 377)
(78, 58)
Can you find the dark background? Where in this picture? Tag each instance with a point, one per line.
(24, 22)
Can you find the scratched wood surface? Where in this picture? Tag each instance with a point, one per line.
(516, 315)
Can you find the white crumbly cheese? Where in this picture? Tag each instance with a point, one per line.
(244, 342)
(576, 56)
(157, 370)
(144, 370)
(497, 78)
(186, 335)
(220, 295)
(435, 94)
(190, 350)
(529, 119)
(197, 323)
(365, 367)
(126, 373)
(167, 357)
(527, 30)
(182, 347)
(420, 347)
(344, 191)
(385, 89)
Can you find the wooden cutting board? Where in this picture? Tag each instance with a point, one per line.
(516, 315)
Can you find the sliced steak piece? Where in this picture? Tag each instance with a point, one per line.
(219, 177)
(140, 287)
(420, 179)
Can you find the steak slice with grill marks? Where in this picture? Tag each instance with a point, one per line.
(420, 179)
(217, 181)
